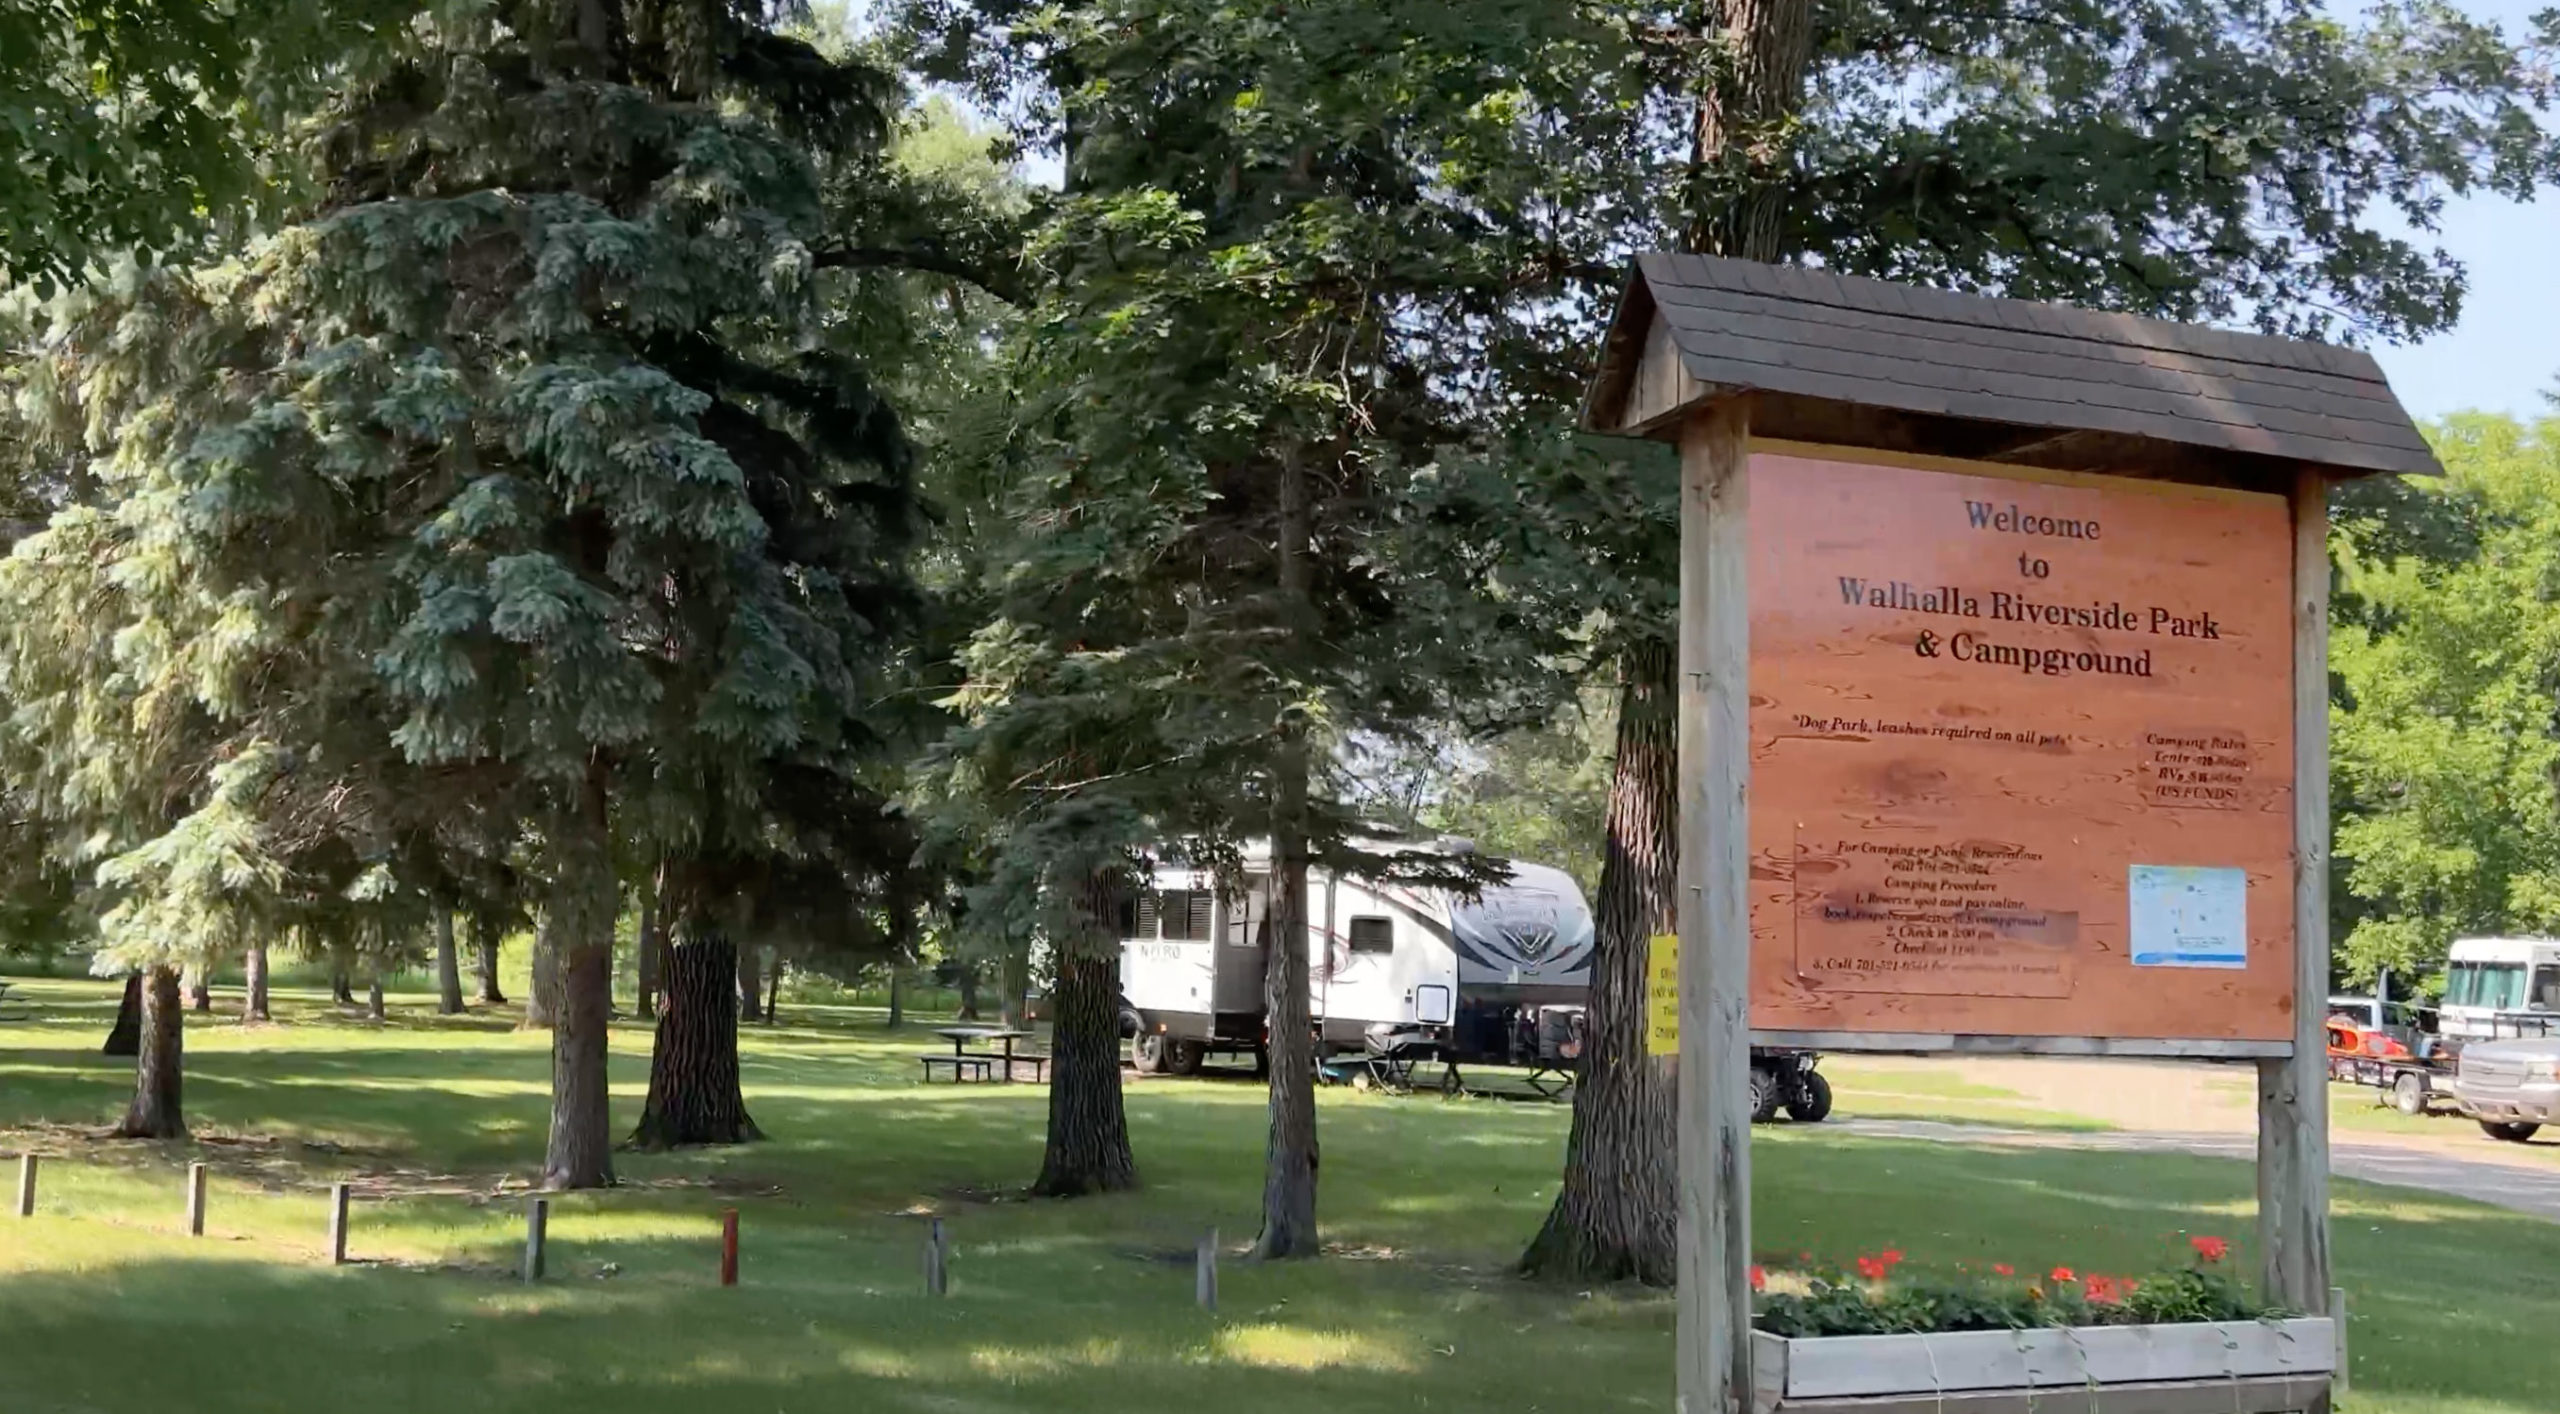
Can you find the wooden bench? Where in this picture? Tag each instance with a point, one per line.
(962, 1067)
(1039, 1067)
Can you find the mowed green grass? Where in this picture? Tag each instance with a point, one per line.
(106, 1304)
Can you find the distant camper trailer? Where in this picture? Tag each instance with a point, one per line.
(1471, 972)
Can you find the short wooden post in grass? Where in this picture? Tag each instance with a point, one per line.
(728, 1247)
(537, 1235)
(937, 1261)
(1205, 1276)
(338, 1224)
(26, 1185)
(195, 1200)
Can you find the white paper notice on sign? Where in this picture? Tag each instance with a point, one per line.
(2185, 917)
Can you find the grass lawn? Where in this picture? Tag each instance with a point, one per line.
(105, 1304)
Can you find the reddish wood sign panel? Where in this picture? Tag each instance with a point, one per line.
(2021, 753)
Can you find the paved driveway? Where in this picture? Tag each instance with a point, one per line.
(2170, 1107)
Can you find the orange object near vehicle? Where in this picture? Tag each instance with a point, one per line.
(2349, 1037)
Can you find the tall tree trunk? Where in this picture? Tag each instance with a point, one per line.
(373, 997)
(199, 987)
(342, 988)
(750, 986)
(967, 978)
(773, 992)
(542, 993)
(484, 937)
(254, 1001)
(1013, 984)
(125, 1037)
(448, 965)
(897, 994)
(1614, 1217)
(1289, 1178)
(1088, 1150)
(651, 964)
(694, 1094)
(159, 1071)
(578, 917)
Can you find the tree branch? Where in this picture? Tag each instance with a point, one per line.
(929, 260)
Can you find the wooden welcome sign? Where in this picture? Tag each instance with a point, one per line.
(2003, 715)
(2022, 754)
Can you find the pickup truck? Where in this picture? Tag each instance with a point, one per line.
(2511, 1087)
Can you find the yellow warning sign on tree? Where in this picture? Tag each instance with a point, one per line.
(1662, 996)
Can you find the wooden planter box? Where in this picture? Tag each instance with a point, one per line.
(2233, 1367)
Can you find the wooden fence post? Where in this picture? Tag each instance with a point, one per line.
(1205, 1276)
(26, 1185)
(937, 1261)
(537, 1237)
(2293, 1091)
(338, 1224)
(1714, 1194)
(728, 1247)
(195, 1200)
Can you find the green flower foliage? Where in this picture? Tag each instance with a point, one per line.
(1836, 1305)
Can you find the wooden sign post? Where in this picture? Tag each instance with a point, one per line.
(2003, 707)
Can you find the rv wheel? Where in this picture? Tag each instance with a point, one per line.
(1764, 1095)
(1183, 1058)
(1812, 1104)
(1149, 1052)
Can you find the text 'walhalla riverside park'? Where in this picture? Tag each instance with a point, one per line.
(2003, 606)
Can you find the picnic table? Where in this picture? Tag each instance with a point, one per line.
(18, 1011)
(969, 1058)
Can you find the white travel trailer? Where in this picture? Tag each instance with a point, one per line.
(1470, 972)
(2500, 987)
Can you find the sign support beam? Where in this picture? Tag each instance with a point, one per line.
(2293, 1093)
(1715, 912)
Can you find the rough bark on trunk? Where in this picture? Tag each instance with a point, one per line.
(254, 1002)
(199, 989)
(1013, 983)
(1289, 1177)
(651, 964)
(1614, 1217)
(448, 965)
(967, 978)
(578, 914)
(342, 988)
(897, 996)
(373, 997)
(485, 942)
(159, 1071)
(125, 1037)
(542, 994)
(1088, 1149)
(694, 1095)
(773, 993)
(750, 982)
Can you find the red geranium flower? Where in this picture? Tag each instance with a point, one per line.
(1759, 1279)
(1892, 1255)
(2212, 1249)
(1873, 1268)
(2004, 1269)
(2063, 1274)
(2101, 1288)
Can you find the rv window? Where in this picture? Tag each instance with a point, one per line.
(1186, 914)
(1373, 935)
(2546, 989)
(2498, 986)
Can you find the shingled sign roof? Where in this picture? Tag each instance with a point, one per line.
(1999, 378)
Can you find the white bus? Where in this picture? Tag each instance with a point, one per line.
(2500, 987)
